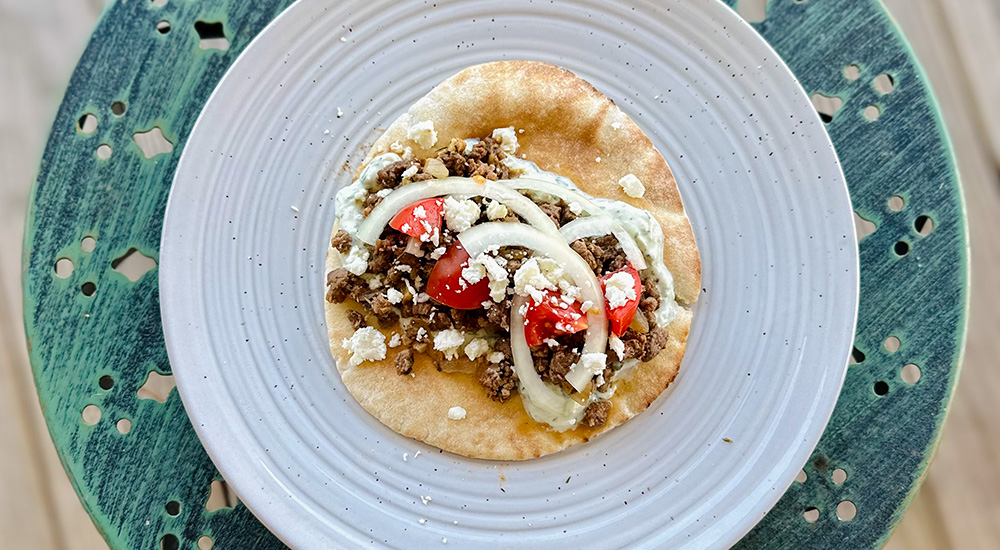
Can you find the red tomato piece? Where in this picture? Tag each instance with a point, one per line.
(445, 283)
(621, 317)
(421, 219)
(550, 318)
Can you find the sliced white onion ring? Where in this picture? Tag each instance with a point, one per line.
(625, 239)
(406, 195)
(482, 237)
(598, 225)
(543, 402)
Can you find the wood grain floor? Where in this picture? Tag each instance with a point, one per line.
(958, 42)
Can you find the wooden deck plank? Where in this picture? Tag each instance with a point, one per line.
(958, 41)
(961, 500)
(40, 42)
(975, 27)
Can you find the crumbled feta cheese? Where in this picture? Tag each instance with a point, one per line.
(496, 211)
(407, 153)
(383, 193)
(409, 173)
(473, 273)
(476, 348)
(616, 345)
(507, 139)
(619, 289)
(632, 186)
(423, 134)
(598, 159)
(396, 147)
(482, 266)
(539, 274)
(404, 268)
(455, 413)
(424, 499)
(552, 342)
(357, 260)
(495, 357)
(343, 39)
(449, 342)
(529, 281)
(421, 336)
(591, 362)
(460, 214)
(422, 521)
(366, 344)
(523, 310)
(616, 125)
(586, 305)
(575, 208)
(394, 296)
(395, 340)
(375, 282)
(437, 253)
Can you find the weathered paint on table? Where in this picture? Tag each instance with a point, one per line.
(882, 442)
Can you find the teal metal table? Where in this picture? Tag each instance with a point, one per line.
(93, 324)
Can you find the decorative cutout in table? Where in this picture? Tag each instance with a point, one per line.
(92, 312)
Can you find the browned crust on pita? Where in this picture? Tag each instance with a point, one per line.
(567, 124)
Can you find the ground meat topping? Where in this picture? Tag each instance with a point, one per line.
(391, 176)
(383, 310)
(580, 247)
(500, 381)
(340, 283)
(562, 359)
(341, 242)
(566, 215)
(635, 344)
(608, 373)
(404, 362)
(499, 314)
(387, 251)
(596, 414)
(356, 319)
(401, 271)
(466, 319)
(655, 343)
(552, 210)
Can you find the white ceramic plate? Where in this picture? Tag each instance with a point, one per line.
(247, 228)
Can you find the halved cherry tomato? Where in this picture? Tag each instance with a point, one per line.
(549, 318)
(445, 283)
(621, 317)
(421, 219)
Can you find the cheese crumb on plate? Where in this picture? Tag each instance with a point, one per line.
(423, 134)
(366, 344)
(632, 186)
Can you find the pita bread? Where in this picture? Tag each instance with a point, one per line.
(567, 124)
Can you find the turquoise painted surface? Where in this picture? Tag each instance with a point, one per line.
(150, 59)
